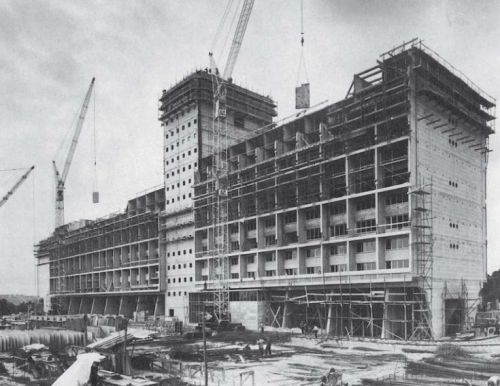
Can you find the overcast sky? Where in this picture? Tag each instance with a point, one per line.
(50, 50)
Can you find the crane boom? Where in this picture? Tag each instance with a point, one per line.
(238, 38)
(61, 178)
(78, 130)
(16, 185)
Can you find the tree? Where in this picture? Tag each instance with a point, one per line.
(491, 288)
(6, 307)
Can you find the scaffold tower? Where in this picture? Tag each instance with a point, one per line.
(422, 246)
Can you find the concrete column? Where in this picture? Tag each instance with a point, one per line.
(85, 305)
(329, 320)
(128, 304)
(98, 305)
(285, 322)
(112, 306)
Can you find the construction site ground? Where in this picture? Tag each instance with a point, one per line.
(234, 359)
(303, 360)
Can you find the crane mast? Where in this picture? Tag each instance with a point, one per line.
(220, 171)
(61, 178)
(16, 185)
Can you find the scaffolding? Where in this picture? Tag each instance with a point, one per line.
(353, 150)
(422, 247)
(219, 189)
(459, 309)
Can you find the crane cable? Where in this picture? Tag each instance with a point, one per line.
(302, 60)
(231, 27)
(222, 22)
(64, 142)
(223, 25)
(94, 140)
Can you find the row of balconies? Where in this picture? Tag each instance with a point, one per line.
(135, 279)
(313, 149)
(264, 232)
(391, 254)
(88, 264)
(286, 197)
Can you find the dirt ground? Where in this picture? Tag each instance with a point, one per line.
(303, 360)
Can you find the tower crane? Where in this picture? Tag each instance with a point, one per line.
(219, 168)
(61, 178)
(16, 185)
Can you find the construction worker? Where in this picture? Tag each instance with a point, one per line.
(315, 331)
(260, 343)
(268, 348)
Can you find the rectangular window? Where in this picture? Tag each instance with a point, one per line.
(312, 234)
(338, 268)
(397, 198)
(312, 213)
(398, 221)
(235, 245)
(397, 264)
(288, 255)
(290, 271)
(235, 275)
(365, 266)
(340, 249)
(270, 222)
(270, 240)
(366, 203)
(365, 246)
(364, 226)
(396, 243)
(311, 270)
(251, 275)
(250, 259)
(313, 252)
(271, 272)
(338, 230)
(338, 208)
(270, 258)
(251, 225)
(290, 217)
(234, 261)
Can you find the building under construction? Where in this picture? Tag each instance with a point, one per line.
(110, 265)
(366, 217)
(143, 259)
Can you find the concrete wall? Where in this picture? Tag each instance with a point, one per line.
(180, 162)
(457, 173)
(250, 314)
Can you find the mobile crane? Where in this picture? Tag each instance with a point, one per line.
(61, 178)
(16, 185)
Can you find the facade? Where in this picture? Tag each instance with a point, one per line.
(110, 265)
(186, 115)
(366, 217)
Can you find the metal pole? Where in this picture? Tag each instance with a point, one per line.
(124, 356)
(204, 346)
